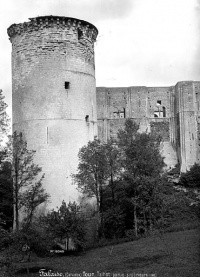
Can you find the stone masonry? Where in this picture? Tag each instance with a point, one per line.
(58, 109)
(173, 112)
(54, 95)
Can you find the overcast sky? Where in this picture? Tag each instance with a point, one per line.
(140, 42)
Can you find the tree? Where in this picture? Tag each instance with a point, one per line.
(6, 213)
(27, 180)
(66, 223)
(141, 160)
(6, 195)
(92, 171)
(113, 164)
(191, 178)
(140, 152)
(4, 119)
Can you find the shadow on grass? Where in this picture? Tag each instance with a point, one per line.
(141, 262)
(35, 269)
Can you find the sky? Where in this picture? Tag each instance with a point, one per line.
(140, 42)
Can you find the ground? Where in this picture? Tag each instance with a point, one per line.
(174, 255)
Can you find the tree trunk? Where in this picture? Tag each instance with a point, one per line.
(145, 222)
(16, 219)
(16, 194)
(112, 187)
(135, 221)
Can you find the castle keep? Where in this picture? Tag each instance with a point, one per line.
(174, 112)
(54, 95)
(58, 109)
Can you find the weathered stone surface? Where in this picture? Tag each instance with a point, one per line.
(55, 106)
(54, 92)
(173, 112)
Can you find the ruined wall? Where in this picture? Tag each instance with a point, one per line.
(150, 107)
(172, 112)
(54, 95)
(187, 117)
(197, 115)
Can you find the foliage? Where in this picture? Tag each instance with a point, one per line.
(20, 246)
(135, 195)
(4, 119)
(35, 237)
(5, 238)
(66, 223)
(6, 195)
(92, 171)
(191, 178)
(113, 164)
(175, 171)
(141, 152)
(6, 212)
(113, 223)
(27, 185)
(142, 166)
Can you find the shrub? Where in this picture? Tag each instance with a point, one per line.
(191, 178)
(65, 224)
(113, 223)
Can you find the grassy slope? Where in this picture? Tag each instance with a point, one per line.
(147, 255)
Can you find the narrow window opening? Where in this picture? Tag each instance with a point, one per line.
(80, 34)
(66, 85)
(164, 111)
(87, 118)
(159, 102)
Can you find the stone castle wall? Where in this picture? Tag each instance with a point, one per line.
(57, 108)
(173, 112)
(54, 95)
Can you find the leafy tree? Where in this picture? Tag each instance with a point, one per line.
(4, 119)
(6, 195)
(140, 152)
(5, 169)
(191, 178)
(113, 222)
(113, 164)
(141, 161)
(27, 184)
(92, 171)
(66, 223)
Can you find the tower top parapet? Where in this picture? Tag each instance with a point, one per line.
(49, 21)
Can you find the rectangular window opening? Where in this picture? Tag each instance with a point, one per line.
(80, 33)
(66, 85)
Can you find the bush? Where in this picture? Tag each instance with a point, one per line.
(65, 224)
(113, 223)
(5, 238)
(36, 238)
(191, 178)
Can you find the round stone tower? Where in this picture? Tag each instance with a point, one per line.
(54, 95)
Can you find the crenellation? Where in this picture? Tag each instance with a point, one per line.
(46, 22)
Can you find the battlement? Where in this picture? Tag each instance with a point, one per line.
(84, 28)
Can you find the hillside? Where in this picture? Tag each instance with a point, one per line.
(177, 255)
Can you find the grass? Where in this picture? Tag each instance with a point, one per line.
(176, 254)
